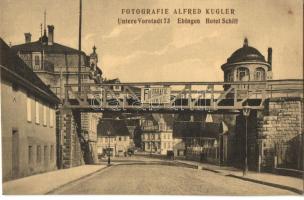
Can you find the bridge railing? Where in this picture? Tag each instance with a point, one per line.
(179, 95)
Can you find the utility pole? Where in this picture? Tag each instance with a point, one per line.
(79, 47)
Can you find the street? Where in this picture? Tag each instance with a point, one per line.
(160, 179)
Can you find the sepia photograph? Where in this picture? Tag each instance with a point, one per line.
(152, 97)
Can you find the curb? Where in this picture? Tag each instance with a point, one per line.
(251, 180)
(268, 184)
(75, 180)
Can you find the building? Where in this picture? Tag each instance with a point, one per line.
(244, 64)
(113, 135)
(198, 140)
(57, 65)
(28, 119)
(274, 135)
(157, 133)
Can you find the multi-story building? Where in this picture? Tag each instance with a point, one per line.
(113, 137)
(57, 65)
(28, 125)
(157, 133)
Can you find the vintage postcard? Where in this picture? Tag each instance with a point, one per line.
(152, 97)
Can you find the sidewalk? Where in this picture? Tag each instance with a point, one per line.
(46, 182)
(274, 180)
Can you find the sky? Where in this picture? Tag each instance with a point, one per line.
(166, 52)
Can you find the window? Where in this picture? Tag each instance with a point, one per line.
(51, 117)
(52, 153)
(38, 154)
(260, 74)
(45, 155)
(119, 138)
(229, 76)
(165, 145)
(37, 60)
(243, 74)
(29, 109)
(37, 112)
(44, 115)
(30, 154)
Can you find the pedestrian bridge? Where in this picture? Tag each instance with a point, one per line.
(178, 96)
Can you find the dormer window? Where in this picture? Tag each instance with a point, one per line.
(36, 61)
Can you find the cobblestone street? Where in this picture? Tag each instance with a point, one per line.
(165, 180)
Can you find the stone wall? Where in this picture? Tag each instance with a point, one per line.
(70, 151)
(279, 130)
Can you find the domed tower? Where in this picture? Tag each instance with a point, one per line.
(93, 59)
(95, 71)
(248, 64)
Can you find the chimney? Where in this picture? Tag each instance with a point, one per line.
(270, 58)
(28, 37)
(50, 34)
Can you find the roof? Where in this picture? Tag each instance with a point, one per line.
(196, 129)
(116, 128)
(246, 53)
(168, 119)
(13, 68)
(38, 47)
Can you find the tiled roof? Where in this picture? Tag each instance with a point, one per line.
(116, 128)
(38, 47)
(14, 67)
(196, 129)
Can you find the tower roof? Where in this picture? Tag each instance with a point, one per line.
(246, 53)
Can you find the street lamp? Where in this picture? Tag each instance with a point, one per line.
(246, 113)
(109, 159)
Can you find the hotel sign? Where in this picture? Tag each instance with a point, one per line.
(155, 95)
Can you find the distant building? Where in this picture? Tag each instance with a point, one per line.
(113, 135)
(28, 119)
(157, 133)
(57, 65)
(201, 140)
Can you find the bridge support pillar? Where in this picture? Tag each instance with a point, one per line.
(279, 132)
(69, 150)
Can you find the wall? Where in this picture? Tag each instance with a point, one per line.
(14, 117)
(89, 123)
(278, 127)
(70, 142)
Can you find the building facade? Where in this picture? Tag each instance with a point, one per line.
(157, 134)
(57, 65)
(28, 119)
(113, 137)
